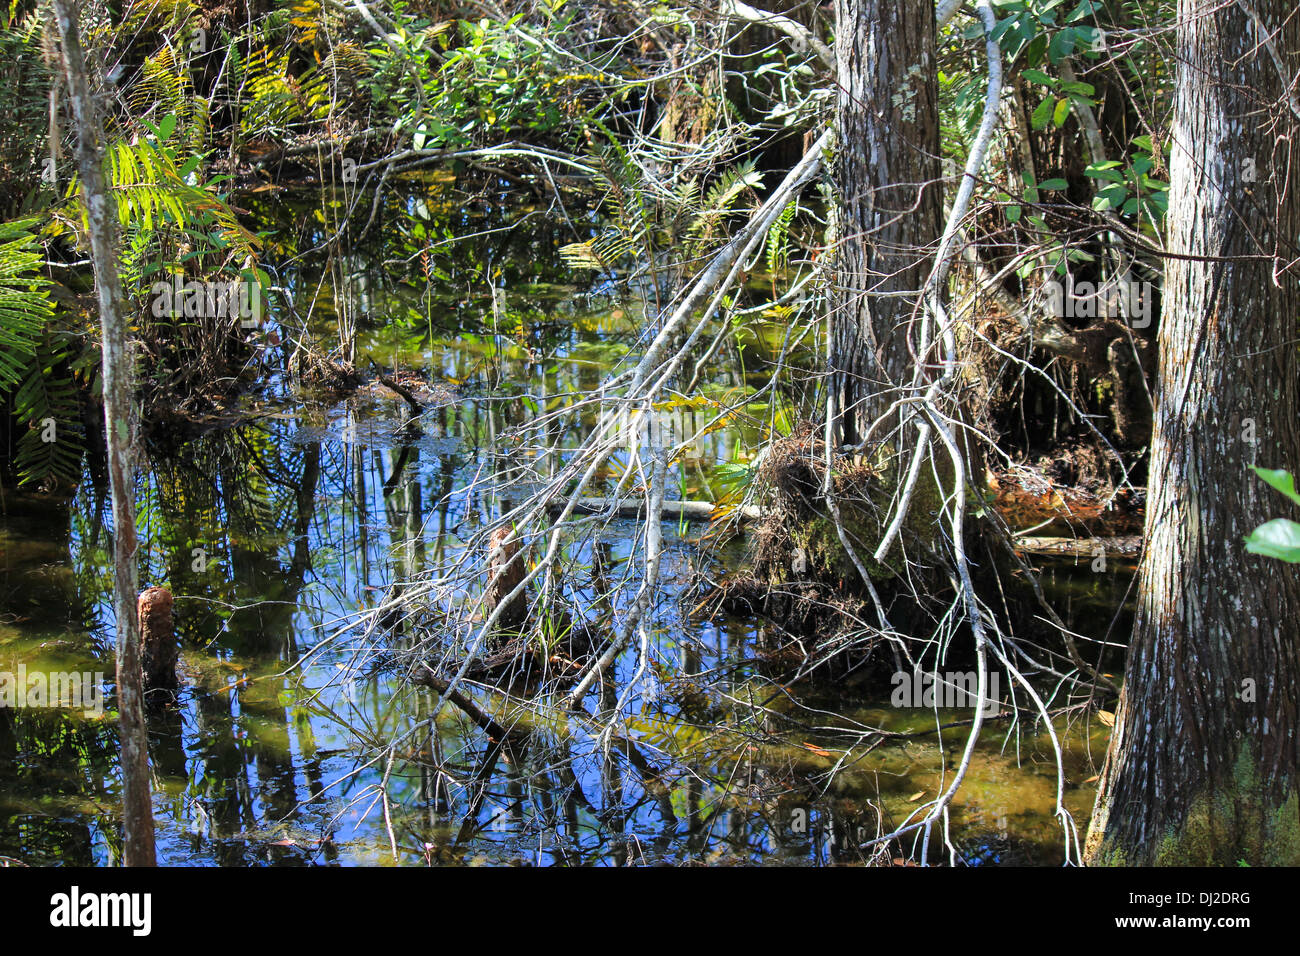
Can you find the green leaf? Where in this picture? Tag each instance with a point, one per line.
(1041, 114)
(1107, 171)
(1062, 45)
(1061, 113)
(1279, 479)
(1038, 76)
(1084, 9)
(1279, 538)
(1088, 36)
(1112, 197)
(1054, 184)
(1036, 49)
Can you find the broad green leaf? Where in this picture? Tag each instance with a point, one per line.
(1112, 197)
(1062, 45)
(1090, 37)
(1084, 9)
(1280, 479)
(1062, 112)
(1042, 114)
(1279, 538)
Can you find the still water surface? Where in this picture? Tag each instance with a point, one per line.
(275, 530)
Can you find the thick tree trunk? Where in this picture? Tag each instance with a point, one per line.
(137, 807)
(1206, 742)
(891, 200)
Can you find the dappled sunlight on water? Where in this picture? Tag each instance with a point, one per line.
(273, 533)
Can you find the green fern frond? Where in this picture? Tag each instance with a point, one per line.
(163, 85)
(778, 239)
(731, 185)
(153, 191)
(141, 15)
(600, 254)
(346, 58)
(274, 100)
(25, 306)
(50, 448)
(722, 196)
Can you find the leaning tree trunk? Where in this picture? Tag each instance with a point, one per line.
(890, 201)
(1205, 747)
(137, 809)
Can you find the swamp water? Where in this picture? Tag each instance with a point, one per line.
(275, 531)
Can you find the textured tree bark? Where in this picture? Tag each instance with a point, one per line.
(890, 200)
(137, 808)
(1213, 673)
(159, 649)
(505, 571)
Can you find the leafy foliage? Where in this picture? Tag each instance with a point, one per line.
(47, 403)
(33, 366)
(1279, 538)
(24, 299)
(275, 102)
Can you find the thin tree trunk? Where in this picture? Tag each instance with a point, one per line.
(1206, 742)
(137, 810)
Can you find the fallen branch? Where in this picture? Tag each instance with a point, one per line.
(636, 507)
(1123, 546)
(803, 37)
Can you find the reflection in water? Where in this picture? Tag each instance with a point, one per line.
(296, 741)
(272, 533)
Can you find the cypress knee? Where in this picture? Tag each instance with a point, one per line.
(158, 639)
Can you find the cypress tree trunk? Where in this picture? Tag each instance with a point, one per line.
(137, 809)
(1205, 748)
(890, 200)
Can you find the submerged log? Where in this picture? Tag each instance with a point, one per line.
(159, 648)
(1125, 546)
